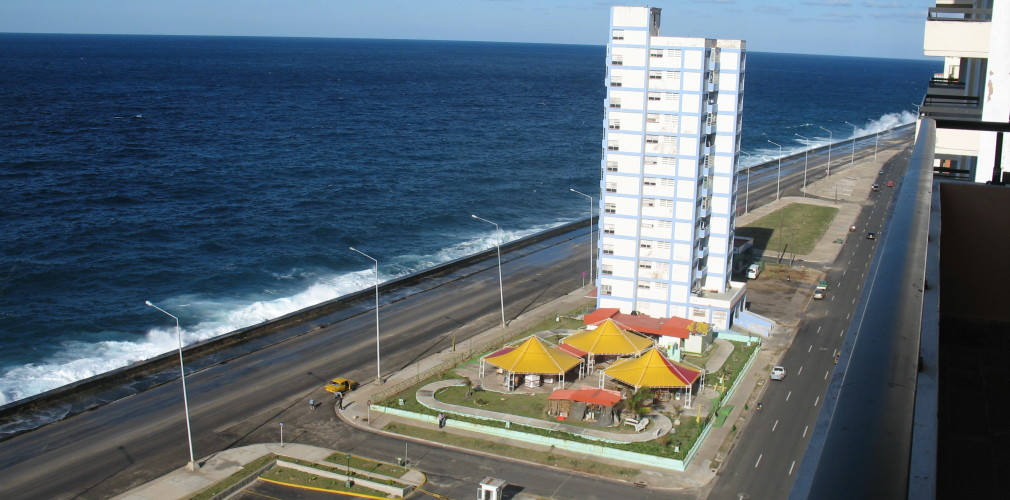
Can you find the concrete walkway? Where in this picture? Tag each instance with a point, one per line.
(183, 483)
(658, 424)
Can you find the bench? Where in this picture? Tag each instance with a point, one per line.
(639, 424)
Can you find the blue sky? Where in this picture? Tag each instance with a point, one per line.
(871, 28)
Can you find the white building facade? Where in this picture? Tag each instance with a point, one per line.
(973, 39)
(670, 153)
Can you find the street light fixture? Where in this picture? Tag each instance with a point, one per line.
(805, 161)
(501, 283)
(831, 140)
(746, 196)
(853, 160)
(591, 240)
(778, 181)
(185, 400)
(378, 368)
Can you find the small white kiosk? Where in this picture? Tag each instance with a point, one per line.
(491, 489)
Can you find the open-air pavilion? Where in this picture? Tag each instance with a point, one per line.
(531, 359)
(654, 370)
(605, 340)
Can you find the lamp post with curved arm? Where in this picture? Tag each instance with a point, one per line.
(182, 375)
(378, 366)
(831, 140)
(591, 240)
(501, 283)
(778, 180)
(805, 151)
(852, 161)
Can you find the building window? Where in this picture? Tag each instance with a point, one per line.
(607, 269)
(646, 224)
(667, 182)
(611, 166)
(645, 265)
(617, 35)
(610, 208)
(655, 75)
(617, 60)
(652, 118)
(673, 75)
(613, 146)
(649, 181)
(666, 203)
(644, 285)
(606, 290)
(656, 53)
(614, 124)
(645, 244)
(611, 187)
(615, 81)
(615, 102)
(608, 229)
(651, 139)
(608, 249)
(648, 202)
(655, 96)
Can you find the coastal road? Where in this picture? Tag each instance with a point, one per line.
(112, 448)
(764, 462)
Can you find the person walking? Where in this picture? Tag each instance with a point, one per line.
(339, 395)
(441, 420)
(312, 404)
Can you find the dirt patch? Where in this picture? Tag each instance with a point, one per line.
(775, 292)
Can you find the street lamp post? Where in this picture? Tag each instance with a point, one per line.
(501, 283)
(746, 196)
(349, 483)
(182, 375)
(831, 139)
(591, 240)
(778, 181)
(282, 434)
(852, 161)
(876, 138)
(378, 359)
(805, 162)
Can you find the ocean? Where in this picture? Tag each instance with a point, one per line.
(224, 178)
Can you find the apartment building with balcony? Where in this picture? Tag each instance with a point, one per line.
(974, 85)
(670, 150)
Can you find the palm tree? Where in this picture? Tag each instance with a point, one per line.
(640, 401)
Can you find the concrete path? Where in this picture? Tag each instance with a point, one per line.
(183, 483)
(658, 424)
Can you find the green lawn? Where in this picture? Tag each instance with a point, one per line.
(291, 476)
(795, 228)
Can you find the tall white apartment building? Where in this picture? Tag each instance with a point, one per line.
(670, 152)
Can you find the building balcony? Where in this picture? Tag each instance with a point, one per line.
(951, 106)
(943, 86)
(957, 32)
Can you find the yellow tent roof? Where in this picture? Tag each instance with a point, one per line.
(608, 338)
(652, 369)
(533, 356)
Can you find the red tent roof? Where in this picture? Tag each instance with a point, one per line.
(570, 349)
(670, 327)
(593, 396)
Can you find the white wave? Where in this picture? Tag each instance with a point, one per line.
(80, 360)
(803, 142)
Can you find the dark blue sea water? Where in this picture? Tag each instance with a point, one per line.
(225, 178)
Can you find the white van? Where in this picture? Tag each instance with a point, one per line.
(753, 271)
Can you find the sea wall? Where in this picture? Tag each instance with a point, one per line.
(107, 387)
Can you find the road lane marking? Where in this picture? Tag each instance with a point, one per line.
(805, 428)
(843, 272)
(853, 300)
(819, 329)
(826, 374)
(775, 425)
(759, 460)
(799, 372)
(841, 333)
(848, 316)
(818, 400)
(791, 468)
(787, 395)
(810, 348)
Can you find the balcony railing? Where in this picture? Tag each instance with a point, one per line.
(945, 83)
(958, 14)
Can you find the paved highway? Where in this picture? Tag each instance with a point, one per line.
(771, 447)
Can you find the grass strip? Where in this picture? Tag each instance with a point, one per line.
(247, 470)
(380, 468)
(299, 478)
(540, 457)
(795, 228)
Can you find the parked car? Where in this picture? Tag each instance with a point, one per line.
(881, 172)
(341, 385)
(875, 187)
(890, 184)
(852, 227)
(818, 294)
(871, 235)
(778, 373)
